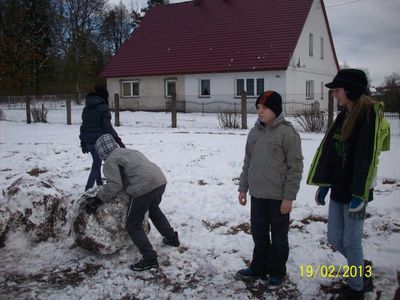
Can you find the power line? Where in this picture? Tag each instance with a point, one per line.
(345, 3)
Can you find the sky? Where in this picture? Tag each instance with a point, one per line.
(366, 34)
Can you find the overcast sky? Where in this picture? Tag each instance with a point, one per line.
(366, 33)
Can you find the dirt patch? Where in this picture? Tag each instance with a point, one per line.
(36, 172)
(201, 182)
(244, 227)
(389, 181)
(310, 219)
(57, 278)
(210, 226)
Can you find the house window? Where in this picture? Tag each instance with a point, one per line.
(130, 88)
(170, 88)
(260, 86)
(252, 86)
(309, 89)
(205, 89)
(239, 87)
(322, 90)
(311, 44)
(322, 48)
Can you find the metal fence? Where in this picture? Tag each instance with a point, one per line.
(50, 102)
(226, 103)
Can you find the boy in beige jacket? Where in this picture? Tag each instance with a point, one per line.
(272, 170)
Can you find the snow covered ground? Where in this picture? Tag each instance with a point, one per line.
(202, 163)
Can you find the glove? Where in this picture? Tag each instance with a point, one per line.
(119, 142)
(92, 204)
(357, 208)
(321, 194)
(84, 148)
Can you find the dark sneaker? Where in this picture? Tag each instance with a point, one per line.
(174, 241)
(249, 275)
(275, 282)
(144, 264)
(367, 279)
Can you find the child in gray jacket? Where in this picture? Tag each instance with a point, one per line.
(129, 171)
(272, 170)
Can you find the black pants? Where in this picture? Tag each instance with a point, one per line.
(269, 229)
(135, 216)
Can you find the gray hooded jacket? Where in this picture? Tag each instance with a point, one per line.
(273, 163)
(126, 170)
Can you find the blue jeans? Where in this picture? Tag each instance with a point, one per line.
(345, 235)
(95, 172)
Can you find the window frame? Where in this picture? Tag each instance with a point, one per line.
(310, 94)
(246, 80)
(322, 90)
(201, 80)
(131, 83)
(322, 56)
(311, 44)
(167, 81)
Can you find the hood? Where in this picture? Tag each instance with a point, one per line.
(105, 145)
(93, 99)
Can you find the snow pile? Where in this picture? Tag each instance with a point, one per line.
(5, 217)
(103, 232)
(35, 206)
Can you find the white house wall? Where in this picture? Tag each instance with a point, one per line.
(151, 92)
(311, 67)
(223, 90)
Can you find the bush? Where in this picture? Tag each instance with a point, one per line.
(311, 120)
(229, 120)
(39, 114)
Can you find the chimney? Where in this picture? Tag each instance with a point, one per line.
(196, 2)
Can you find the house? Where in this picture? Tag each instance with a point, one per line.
(209, 51)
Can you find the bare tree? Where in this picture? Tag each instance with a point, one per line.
(391, 92)
(25, 43)
(77, 24)
(116, 28)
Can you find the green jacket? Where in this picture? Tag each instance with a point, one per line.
(353, 171)
(273, 163)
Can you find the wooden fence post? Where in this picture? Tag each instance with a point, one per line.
(69, 111)
(28, 110)
(244, 110)
(116, 105)
(330, 109)
(173, 110)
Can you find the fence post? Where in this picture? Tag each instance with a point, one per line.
(116, 105)
(330, 109)
(244, 110)
(173, 110)
(69, 111)
(28, 110)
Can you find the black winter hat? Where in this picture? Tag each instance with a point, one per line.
(102, 92)
(354, 81)
(272, 100)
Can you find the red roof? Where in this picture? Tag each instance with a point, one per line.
(214, 36)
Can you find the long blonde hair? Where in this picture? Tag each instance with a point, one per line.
(364, 102)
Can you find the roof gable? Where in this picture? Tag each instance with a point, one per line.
(214, 36)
